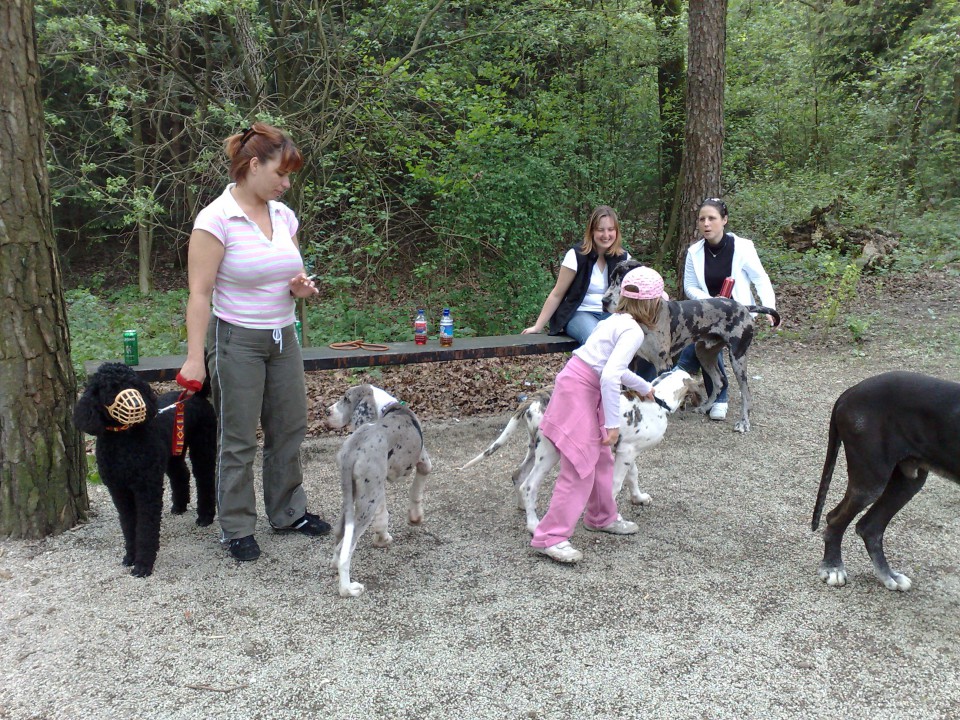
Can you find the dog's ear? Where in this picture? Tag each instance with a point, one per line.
(364, 412)
(148, 395)
(695, 393)
(86, 414)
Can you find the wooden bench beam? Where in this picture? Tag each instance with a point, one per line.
(165, 367)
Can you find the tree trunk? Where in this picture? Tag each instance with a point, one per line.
(42, 462)
(703, 133)
(139, 151)
(666, 15)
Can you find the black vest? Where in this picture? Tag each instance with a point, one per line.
(578, 288)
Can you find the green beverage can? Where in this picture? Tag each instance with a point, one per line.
(299, 328)
(131, 351)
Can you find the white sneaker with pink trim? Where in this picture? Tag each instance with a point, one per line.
(617, 527)
(562, 552)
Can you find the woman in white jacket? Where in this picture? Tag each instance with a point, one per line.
(716, 256)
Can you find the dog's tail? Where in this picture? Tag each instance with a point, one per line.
(766, 311)
(833, 449)
(515, 420)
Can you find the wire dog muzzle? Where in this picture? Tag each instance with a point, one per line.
(128, 408)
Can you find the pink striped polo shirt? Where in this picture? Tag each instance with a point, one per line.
(252, 288)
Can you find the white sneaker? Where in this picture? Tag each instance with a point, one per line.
(562, 552)
(617, 527)
(718, 411)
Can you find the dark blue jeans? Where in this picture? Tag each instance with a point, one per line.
(688, 361)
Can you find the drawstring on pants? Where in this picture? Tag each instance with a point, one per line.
(278, 338)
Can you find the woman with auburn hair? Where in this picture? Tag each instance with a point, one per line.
(244, 260)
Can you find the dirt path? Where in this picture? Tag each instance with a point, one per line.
(713, 611)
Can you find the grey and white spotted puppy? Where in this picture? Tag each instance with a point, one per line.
(711, 324)
(387, 447)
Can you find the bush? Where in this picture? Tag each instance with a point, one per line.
(97, 323)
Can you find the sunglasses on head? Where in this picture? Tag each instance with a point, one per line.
(720, 204)
(247, 134)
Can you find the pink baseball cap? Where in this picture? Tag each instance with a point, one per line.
(648, 282)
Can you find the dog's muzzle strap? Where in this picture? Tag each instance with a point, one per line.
(128, 408)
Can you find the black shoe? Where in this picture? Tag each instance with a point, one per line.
(308, 525)
(245, 548)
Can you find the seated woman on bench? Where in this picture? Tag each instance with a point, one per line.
(574, 306)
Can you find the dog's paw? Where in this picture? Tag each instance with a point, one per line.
(833, 576)
(415, 516)
(127, 560)
(742, 426)
(204, 520)
(141, 570)
(178, 509)
(640, 498)
(897, 581)
(382, 539)
(352, 589)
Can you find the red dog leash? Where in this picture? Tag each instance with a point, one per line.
(191, 387)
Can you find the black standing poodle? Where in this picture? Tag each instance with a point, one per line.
(134, 440)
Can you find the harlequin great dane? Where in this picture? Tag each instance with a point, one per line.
(642, 425)
(386, 445)
(895, 428)
(711, 325)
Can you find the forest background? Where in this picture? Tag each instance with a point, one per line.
(454, 149)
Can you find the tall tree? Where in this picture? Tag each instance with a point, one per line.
(670, 98)
(42, 462)
(703, 131)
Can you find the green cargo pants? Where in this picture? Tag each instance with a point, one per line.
(257, 377)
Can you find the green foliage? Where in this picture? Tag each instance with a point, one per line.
(341, 320)
(93, 472)
(840, 278)
(930, 240)
(822, 105)
(97, 323)
(454, 150)
(858, 327)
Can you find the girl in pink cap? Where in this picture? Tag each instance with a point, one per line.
(583, 419)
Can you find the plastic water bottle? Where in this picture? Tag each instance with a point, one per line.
(420, 328)
(446, 329)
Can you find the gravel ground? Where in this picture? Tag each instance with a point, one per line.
(713, 611)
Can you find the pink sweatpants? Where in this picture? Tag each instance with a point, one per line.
(571, 495)
(577, 385)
